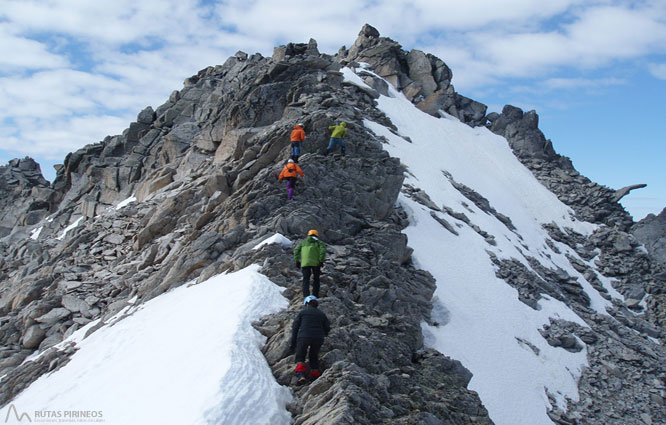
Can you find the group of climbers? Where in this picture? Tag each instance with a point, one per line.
(311, 324)
(291, 171)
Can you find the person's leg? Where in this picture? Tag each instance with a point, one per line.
(291, 184)
(316, 272)
(342, 145)
(331, 143)
(306, 280)
(290, 190)
(296, 151)
(313, 356)
(299, 358)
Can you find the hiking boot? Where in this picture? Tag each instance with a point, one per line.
(314, 374)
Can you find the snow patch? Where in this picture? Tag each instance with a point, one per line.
(34, 233)
(68, 228)
(188, 356)
(276, 238)
(126, 202)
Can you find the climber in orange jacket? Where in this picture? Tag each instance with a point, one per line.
(297, 137)
(290, 173)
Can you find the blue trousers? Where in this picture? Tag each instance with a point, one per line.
(295, 149)
(336, 141)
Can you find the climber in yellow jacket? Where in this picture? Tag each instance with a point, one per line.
(337, 137)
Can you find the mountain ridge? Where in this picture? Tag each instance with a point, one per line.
(202, 167)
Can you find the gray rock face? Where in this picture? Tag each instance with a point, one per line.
(25, 196)
(651, 232)
(522, 132)
(53, 316)
(33, 336)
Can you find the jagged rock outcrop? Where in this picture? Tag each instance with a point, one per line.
(651, 232)
(202, 169)
(522, 132)
(25, 196)
(423, 78)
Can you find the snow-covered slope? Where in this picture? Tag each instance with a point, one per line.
(189, 356)
(481, 321)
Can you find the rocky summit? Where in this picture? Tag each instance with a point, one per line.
(201, 171)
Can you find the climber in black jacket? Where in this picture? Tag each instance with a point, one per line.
(308, 331)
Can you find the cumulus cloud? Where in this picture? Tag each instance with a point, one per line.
(116, 22)
(20, 53)
(587, 39)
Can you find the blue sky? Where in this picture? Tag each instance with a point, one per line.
(74, 71)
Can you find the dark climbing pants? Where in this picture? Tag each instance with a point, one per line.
(316, 272)
(302, 345)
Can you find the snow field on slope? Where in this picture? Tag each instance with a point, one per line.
(189, 356)
(483, 324)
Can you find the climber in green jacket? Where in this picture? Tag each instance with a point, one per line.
(309, 255)
(339, 132)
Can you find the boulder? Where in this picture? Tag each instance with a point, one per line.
(420, 71)
(74, 304)
(54, 316)
(33, 336)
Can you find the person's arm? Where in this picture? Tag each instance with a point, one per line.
(322, 252)
(327, 324)
(297, 252)
(294, 330)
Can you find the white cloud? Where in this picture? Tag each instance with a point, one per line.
(578, 83)
(53, 139)
(474, 14)
(18, 53)
(584, 38)
(116, 22)
(612, 33)
(54, 93)
(658, 70)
